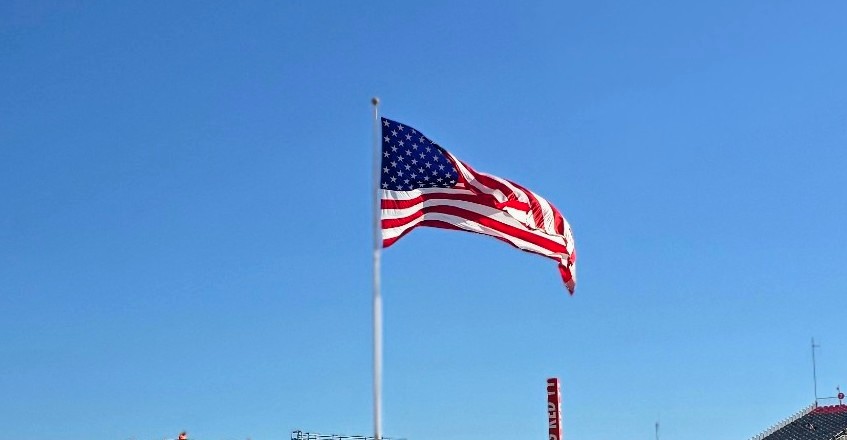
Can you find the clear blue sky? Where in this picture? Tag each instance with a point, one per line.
(185, 217)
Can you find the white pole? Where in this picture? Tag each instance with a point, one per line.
(377, 302)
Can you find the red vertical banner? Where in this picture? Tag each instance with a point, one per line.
(554, 415)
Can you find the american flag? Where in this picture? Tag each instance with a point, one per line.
(423, 184)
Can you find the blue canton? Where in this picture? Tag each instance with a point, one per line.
(411, 161)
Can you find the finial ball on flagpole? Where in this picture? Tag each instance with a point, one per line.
(375, 100)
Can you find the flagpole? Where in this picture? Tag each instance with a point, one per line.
(377, 296)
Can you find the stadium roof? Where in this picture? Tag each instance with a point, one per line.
(811, 423)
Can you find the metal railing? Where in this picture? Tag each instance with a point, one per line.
(779, 425)
(300, 435)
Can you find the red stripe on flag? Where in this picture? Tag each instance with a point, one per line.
(534, 206)
(479, 199)
(483, 220)
(430, 223)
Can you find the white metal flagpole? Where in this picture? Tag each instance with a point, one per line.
(377, 300)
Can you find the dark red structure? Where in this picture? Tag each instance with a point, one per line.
(554, 415)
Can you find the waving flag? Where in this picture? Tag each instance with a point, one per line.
(423, 184)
